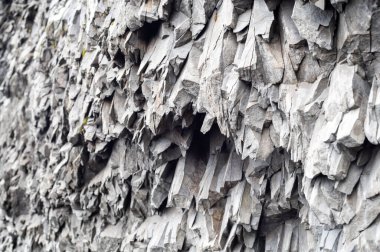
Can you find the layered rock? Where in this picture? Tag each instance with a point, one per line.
(189, 125)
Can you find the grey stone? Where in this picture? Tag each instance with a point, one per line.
(263, 20)
(314, 24)
(203, 125)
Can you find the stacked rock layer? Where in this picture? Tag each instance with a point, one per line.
(189, 125)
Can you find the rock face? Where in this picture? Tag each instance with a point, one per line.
(231, 125)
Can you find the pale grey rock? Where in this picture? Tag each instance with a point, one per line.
(375, 34)
(347, 90)
(189, 125)
(371, 124)
(351, 131)
(320, 3)
(247, 64)
(287, 24)
(314, 24)
(243, 21)
(347, 185)
(353, 31)
(201, 12)
(271, 64)
(185, 185)
(186, 89)
(154, 10)
(339, 162)
(263, 20)
(182, 25)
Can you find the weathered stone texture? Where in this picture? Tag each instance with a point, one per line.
(190, 125)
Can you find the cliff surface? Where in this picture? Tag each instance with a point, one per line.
(189, 125)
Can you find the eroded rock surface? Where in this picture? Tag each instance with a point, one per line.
(203, 125)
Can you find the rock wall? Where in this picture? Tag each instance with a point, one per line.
(181, 125)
